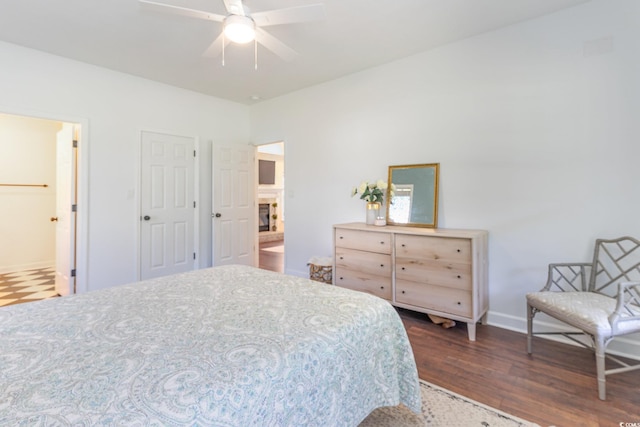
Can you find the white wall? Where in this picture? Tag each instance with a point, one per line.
(537, 141)
(116, 108)
(27, 156)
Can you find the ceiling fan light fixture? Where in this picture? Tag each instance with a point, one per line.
(239, 29)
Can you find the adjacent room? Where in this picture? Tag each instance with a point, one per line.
(35, 159)
(424, 162)
(271, 166)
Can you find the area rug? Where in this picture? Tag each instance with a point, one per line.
(443, 408)
(276, 249)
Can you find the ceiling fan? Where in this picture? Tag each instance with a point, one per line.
(241, 26)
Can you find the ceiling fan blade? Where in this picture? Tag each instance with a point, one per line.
(215, 47)
(275, 45)
(234, 7)
(290, 15)
(192, 13)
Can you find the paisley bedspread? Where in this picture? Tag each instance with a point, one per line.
(225, 346)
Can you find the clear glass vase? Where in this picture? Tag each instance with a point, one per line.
(373, 211)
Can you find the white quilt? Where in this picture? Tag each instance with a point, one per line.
(226, 346)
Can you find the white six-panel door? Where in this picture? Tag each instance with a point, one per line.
(167, 205)
(234, 211)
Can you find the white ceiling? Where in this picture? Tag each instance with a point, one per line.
(356, 34)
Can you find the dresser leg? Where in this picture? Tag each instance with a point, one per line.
(471, 330)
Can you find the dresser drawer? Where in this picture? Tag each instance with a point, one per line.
(374, 263)
(443, 249)
(442, 299)
(370, 241)
(377, 285)
(435, 272)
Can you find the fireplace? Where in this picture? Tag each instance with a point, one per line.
(263, 217)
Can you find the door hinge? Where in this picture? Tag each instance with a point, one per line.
(73, 273)
(194, 203)
(194, 255)
(194, 153)
(74, 208)
(75, 143)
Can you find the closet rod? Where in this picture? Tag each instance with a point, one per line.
(23, 185)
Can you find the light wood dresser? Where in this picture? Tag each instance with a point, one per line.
(438, 271)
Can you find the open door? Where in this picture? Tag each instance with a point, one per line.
(234, 210)
(65, 210)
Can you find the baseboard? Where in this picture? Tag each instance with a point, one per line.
(30, 266)
(628, 346)
(298, 273)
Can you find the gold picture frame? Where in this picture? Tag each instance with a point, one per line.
(415, 195)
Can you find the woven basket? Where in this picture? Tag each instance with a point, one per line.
(321, 273)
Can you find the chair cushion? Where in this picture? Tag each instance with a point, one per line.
(587, 311)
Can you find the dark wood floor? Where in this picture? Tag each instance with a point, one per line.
(269, 260)
(556, 386)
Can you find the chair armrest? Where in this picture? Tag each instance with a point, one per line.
(568, 277)
(627, 305)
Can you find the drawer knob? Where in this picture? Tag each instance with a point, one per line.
(342, 278)
(341, 237)
(341, 257)
(403, 245)
(382, 243)
(459, 250)
(381, 265)
(459, 303)
(403, 292)
(402, 268)
(381, 287)
(459, 277)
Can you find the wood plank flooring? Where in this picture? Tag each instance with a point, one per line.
(270, 259)
(555, 386)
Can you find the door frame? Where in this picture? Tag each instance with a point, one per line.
(196, 195)
(82, 189)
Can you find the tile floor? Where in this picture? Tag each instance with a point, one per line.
(25, 286)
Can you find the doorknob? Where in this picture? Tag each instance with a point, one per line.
(54, 218)
(146, 218)
(216, 215)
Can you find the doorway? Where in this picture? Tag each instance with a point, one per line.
(271, 206)
(39, 234)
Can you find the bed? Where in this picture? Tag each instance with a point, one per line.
(225, 346)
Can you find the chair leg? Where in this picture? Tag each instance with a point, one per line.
(530, 315)
(600, 367)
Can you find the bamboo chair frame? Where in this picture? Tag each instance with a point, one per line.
(610, 285)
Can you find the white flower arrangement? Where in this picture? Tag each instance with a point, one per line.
(372, 192)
